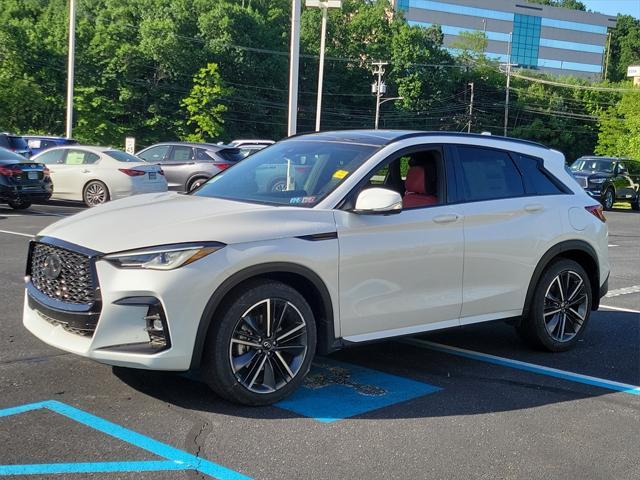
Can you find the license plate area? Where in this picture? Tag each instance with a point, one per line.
(152, 175)
(32, 175)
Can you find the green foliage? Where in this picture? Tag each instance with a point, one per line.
(472, 45)
(625, 47)
(203, 106)
(572, 4)
(620, 128)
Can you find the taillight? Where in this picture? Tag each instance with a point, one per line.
(45, 171)
(131, 172)
(161, 172)
(223, 166)
(8, 171)
(597, 211)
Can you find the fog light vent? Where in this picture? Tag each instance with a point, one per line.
(157, 327)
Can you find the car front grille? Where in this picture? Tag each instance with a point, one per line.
(62, 275)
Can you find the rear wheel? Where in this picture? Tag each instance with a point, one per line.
(260, 347)
(278, 185)
(635, 204)
(95, 193)
(19, 203)
(560, 308)
(608, 199)
(195, 183)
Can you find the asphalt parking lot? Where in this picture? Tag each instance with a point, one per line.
(468, 403)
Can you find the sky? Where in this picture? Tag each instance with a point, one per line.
(613, 7)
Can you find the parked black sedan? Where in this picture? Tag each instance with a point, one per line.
(22, 181)
(609, 179)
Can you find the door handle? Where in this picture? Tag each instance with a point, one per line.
(446, 218)
(86, 171)
(533, 207)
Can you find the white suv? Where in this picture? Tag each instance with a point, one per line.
(375, 234)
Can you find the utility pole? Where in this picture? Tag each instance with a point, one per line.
(70, 66)
(470, 108)
(324, 5)
(294, 64)
(506, 100)
(378, 87)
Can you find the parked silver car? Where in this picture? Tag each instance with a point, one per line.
(188, 165)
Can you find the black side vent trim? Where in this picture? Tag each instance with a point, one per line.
(316, 237)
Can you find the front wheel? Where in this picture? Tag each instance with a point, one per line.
(635, 204)
(260, 347)
(19, 204)
(608, 199)
(560, 308)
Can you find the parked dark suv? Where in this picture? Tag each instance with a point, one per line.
(188, 165)
(609, 179)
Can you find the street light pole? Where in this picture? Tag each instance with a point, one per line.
(294, 64)
(324, 5)
(471, 84)
(70, 66)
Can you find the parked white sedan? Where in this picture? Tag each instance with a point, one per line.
(96, 175)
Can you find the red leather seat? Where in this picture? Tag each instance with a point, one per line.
(416, 189)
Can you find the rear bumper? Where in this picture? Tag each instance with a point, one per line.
(35, 192)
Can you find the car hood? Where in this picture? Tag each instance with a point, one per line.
(164, 218)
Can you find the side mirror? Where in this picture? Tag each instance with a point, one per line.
(620, 170)
(378, 200)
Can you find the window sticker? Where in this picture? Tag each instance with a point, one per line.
(299, 200)
(340, 174)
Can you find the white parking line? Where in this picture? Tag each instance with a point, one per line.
(620, 309)
(623, 291)
(525, 366)
(16, 233)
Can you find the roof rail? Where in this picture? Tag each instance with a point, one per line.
(468, 135)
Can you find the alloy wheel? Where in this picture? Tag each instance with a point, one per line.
(95, 194)
(268, 346)
(608, 199)
(196, 184)
(565, 306)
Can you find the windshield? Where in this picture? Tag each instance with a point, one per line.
(294, 172)
(123, 156)
(592, 165)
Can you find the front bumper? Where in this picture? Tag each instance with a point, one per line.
(119, 327)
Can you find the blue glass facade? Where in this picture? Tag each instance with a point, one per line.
(525, 43)
(548, 38)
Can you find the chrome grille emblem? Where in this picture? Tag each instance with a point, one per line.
(52, 266)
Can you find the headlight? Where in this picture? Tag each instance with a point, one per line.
(163, 257)
(597, 181)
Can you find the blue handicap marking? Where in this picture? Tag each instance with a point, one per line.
(173, 459)
(335, 390)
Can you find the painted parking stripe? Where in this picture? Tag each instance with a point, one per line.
(527, 367)
(172, 455)
(16, 233)
(623, 291)
(91, 467)
(619, 309)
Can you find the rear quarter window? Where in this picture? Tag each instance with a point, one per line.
(537, 180)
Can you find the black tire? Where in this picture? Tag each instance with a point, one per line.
(540, 327)
(278, 185)
(222, 355)
(635, 204)
(608, 198)
(195, 183)
(19, 204)
(92, 199)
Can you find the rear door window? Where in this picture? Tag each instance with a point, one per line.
(18, 143)
(80, 157)
(180, 154)
(488, 174)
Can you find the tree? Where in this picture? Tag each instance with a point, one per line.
(625, 47)
(203, 106)
(620, 128)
